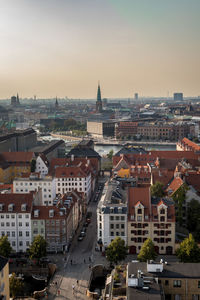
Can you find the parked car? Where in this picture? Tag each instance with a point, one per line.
(44, 260)
(80, 238)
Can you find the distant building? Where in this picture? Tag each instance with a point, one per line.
(136, 96)
(99, 102)
(15, 100)
(178, 96)
(56, 104)
(101, 128)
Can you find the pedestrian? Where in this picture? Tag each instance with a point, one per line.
(89, 259)
(71, 261)
(77, 281)
(73, 287)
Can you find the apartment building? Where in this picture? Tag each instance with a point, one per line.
(112, 214)
(150, 217)
(35, 181)
(72, 178)
(42, 165)
(15, 219)
(4, 279)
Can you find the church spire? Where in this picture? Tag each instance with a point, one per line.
(99, 102)
(99, 93)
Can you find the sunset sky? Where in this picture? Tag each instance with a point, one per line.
(63, 47)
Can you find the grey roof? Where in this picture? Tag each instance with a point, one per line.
(171, 270)
(3, 262)
(83, 152)
(116, 210)
(131, 150)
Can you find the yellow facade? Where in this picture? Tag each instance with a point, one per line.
(4, 282)
(7, 175)
(123, 173)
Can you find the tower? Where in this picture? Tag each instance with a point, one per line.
(56, 103)
(17, 99)
(99, 102)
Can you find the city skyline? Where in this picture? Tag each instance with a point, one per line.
(64, 47)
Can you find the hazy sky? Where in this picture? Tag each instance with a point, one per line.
(63, 47)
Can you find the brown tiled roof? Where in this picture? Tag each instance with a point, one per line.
(17, 200)
(191, 144)
(141, 195)
(193, 180)
(17, 156)
(163, 175)
(71, 172)
(44, 213)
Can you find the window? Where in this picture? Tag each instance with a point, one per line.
(20, 243)
(27, 233)
(139, 218)
(27, 224)
(196, 297)
(117, 226)
(111, 218)
(20, 224)
(199, 284)
(177, 283)
(8, 233)
(139, 211)
(162, 219)
(20, 216)
(166, 282)
(112, 233)
(7, 224)
(13, 233)
(122, 226)
(2, 224)
(27, 243)
(13, 243)
(122, 218)
(27, 216)
(122, 233)
(20, 233)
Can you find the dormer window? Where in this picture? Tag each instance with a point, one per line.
(1, 206)
(23, 207)
(10, 207)
(51, 213)
(162, 211)
(139, 211)
(36, 213)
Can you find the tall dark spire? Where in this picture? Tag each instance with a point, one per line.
(99, 93)
(56, 103)
(99, 102)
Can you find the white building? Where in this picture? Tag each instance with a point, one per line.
(71, 178)
(112, 215)
(15, 219)
(47, 184)
(42, 165)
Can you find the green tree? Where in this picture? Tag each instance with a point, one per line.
(193, 215)
(110, 154)
(179, 199)
(157, 189)
(38, 247)
(5, 248)
(16, 286)
(188, 250)
(147, 251)
(33, 165)
(116, 251)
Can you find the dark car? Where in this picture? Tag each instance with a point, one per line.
(80, 238)
(44, 260)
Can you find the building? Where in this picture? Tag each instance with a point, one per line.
(53, 149)
(71, 178)
(101, 129)
(42, 165)
(150, 217)
(178, 96)
(33, 182)
(178, 281)
(4, 279)
(15, 100)
(187, 145)
(14, 164)
(127, 129)
(99, 102)
(19, 140)
(15, 218)
(112, 214)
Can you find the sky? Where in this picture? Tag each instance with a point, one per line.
(63, 48)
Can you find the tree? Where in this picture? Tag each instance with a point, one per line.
(110, 154)
(157, 189)
(116, 251)
(193, 215)
(179, 199)
(38, 247)
(147, 251)
(33, 165)
(16, 286)
(188, 250)
(5, 247)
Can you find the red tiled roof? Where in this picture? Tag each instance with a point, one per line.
(17, 200)
(191, 144)
(175, 185)
(193, 180)
(6, 187)
(70, 172)
(44, 213)
(141, 195)
(164, 176)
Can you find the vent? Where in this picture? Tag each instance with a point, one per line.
(51, 213)
(23, 207)
(10, 207)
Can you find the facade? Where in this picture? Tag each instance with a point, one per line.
(112, 215)
(72, 178)
(42, 165)
(4, 279)
(15, 219)
(150, 218)
(33, 182)
(126, 129)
